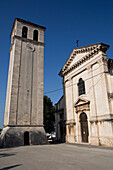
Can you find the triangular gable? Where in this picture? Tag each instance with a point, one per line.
(80, 55)
(81, 101)
(77, 58)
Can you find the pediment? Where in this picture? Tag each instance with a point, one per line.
(81, 101)
(81, 55)
(77, 58)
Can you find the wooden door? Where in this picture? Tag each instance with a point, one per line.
(84, 127)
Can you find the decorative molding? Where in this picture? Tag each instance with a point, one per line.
(100, 120)
(25, 40)
(89, 68)
(80, 62)
(23, 125)
(71, 123)
(92, 49)
(29, 40)
(81, 99)
(82, 105)
(103, 60)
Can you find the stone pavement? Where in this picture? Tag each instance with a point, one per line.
(56, 157)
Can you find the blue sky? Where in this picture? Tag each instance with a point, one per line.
(66, 21)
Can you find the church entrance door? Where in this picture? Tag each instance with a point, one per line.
(26, 138)
(84, 127)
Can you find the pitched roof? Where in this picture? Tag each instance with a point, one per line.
(91, 49)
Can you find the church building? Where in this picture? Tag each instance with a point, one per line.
(88, 95)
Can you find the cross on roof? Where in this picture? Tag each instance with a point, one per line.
(77, 43)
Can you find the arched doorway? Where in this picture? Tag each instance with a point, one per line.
(26, 138)
(84, 127)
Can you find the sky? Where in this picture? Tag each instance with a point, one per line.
(66, 21)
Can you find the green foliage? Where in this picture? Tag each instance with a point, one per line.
(49, 115)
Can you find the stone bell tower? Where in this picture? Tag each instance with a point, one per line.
(23, 122)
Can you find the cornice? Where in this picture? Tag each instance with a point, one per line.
(10, 125)
(101, 120)
(106, 117)
(92, 49)
(29, 40)
(25, 40)
(71, 122)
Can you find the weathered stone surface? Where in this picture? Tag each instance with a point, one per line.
(14, 136)
(24, 101)
(90, 64)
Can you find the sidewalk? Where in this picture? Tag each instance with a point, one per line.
(87, 145)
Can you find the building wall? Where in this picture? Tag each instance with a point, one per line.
(98, 87)
(17, 30)
(25, 82)
(60, 120)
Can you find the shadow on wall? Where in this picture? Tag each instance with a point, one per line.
(10, 167)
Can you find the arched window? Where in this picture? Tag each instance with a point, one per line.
(81, 87)
(35, 35)
(24, 32)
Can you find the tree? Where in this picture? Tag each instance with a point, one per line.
(49, 115)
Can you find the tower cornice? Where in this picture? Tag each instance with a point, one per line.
(25, 40)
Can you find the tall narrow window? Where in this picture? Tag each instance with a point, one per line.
(81, 87)
(24, 32)
(35, 35)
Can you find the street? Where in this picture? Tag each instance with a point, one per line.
(56, 157)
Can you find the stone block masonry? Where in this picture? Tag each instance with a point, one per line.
(23, 122)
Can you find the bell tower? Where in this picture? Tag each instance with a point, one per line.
(23, 122)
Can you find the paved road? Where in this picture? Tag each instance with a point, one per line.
(56, 157)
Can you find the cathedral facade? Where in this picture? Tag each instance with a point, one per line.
(88, 95)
